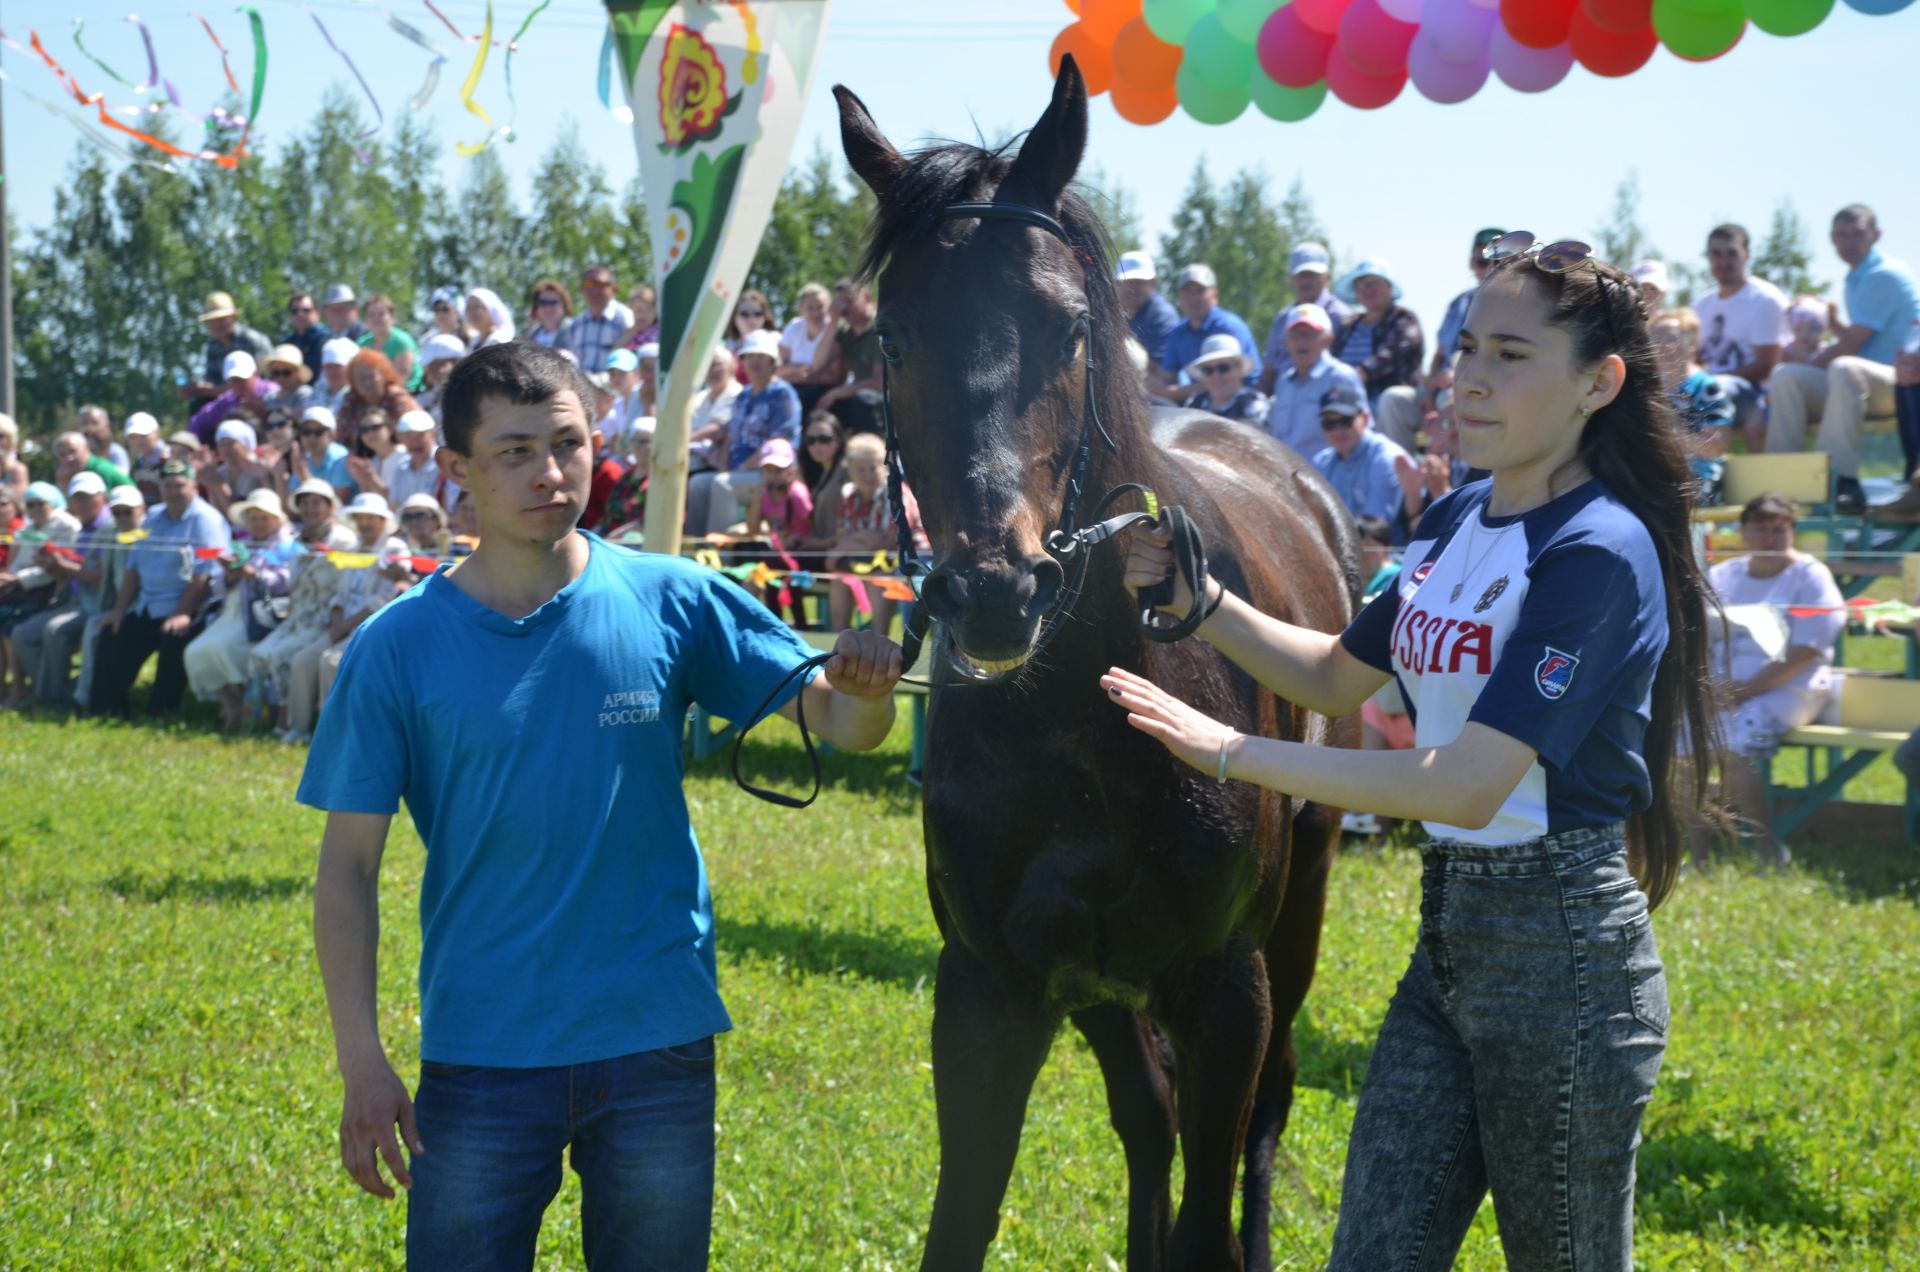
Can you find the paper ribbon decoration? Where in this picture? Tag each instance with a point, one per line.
(513, 46)
(97, 101)
(882, 562)
(79, 25)
(131, 536)
(471, 148)
(93, 136)
(413, 35)
(621, 112)
(379, 116)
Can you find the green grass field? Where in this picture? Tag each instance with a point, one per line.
(169, 1097)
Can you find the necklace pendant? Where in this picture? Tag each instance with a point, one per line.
(1456, 590)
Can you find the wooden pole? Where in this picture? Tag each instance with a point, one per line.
(672, 416)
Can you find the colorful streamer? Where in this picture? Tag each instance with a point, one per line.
(87, 131)
(259, 74)
(621, 113)
(379, 116)
(96, 100)
(513, 46)
(79, 25)
(153, 62)
(488, 38)
(232, 83)
(408, 32)
(472, 148)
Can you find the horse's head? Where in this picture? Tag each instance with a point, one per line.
(986, 325)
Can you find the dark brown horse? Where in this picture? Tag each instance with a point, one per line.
(1076, 869)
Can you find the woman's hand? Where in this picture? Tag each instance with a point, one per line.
(1191, 735)
(1150, 561)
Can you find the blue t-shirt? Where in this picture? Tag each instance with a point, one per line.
(167, 560)
(1365, 480)
(1548, 627)
(1155, 321)
(564, 912)
(1183, 342)
(334, 471)
(1881, 294)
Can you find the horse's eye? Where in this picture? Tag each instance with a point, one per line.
(1075, 336)
(889, 349)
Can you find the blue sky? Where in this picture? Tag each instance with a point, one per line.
(1819, 119)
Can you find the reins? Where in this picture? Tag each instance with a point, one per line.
(1066, 543)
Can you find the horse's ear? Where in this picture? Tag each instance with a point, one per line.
(869, 153)
(1051, 153)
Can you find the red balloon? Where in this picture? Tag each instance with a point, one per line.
(1538, 24)
(1374, 42)
(1104, 18)
(1291, 52)
(1141, 60)
(1095, 60)
(1144, 107)
(1608, 53)
(1622, 17)
(1357, 88)
(1320, 15)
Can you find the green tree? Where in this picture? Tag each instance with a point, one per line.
(488, 233)
(574, 224)
(1116, 207)
(1199, 222)
(1298, 217)
(813, 234)
(1785, 257)
(1239, 232)
(1623, 240)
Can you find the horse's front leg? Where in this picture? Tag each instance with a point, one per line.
(1220, 1017)
(1138, 1069)
(989, 1041)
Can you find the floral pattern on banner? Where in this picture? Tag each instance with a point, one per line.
(693, 91)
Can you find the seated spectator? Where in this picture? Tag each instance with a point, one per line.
(164, 588)
(1199, 301)
(768, 408)
(623, 381)
(373, 471)
(147, 453)
(184, 448)
(13, 473)
(608, 467)
(438, 354)
(1852, 378)
(1426, 477)
(318, 455)
(335, 357)
(644, 304)
(648, 385)
(626, 511)
(27, 586)
(1293, 415)
(1358, 462)
(1770, 693)
(823, 466)
(257, 575)
(1743, 327)
(1655, 285)
(595, 331)
(238, 471)
(96, 426)
(310, 590)
(713, 413)
(1701, 400)
(867, 527)
(1385, 346)
(448, 320)
(1447, 343)
(72, 454)
(244, 397)
(225, 334)
(1308, 267)
(45, 642)
(1222, 372)
(488, 318)
(803, 345)
(1906, 402)
(415, 472)
(852, 367)
(1807, 324)
(372, 383)
(292, 380)
(424, 524)
(358, 594)
(548, 308)
(751, 313)
(306, 332)
(785, 507)
(463, 522)
(342, 309)
(1151, 317)
(399, 346)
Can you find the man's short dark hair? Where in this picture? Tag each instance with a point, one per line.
(1737, 233)
(299, 296)
(519, 372)
(1857, 214)
(1769, 504)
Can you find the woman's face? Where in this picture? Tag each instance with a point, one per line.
(380, 317)
(1373, 292)
(1517, 390)
(365, 380)
(1771, 535)
(759, 369)
(549, 309)
(477, 316)
(645, 312)
(261, 525)
(813, 307)
(822, 443)
(750, 315)
(446, 317)
(378, 436)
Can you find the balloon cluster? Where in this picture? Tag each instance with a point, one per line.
(1214, 58)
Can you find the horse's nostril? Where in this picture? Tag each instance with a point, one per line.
(1047, 579)
(946, 595)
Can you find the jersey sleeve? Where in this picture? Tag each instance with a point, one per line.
(359, 759)
(1586, 633)
(1369, 637)
(744, 652)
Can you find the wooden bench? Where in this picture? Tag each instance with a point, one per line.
(1805, 477)
(1876, 715)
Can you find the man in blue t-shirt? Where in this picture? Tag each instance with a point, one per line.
(1150, 316)
(527, 704)
(1199, 293)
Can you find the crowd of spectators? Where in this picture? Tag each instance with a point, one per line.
(218, 548)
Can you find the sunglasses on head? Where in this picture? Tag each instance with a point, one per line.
(1554, 258)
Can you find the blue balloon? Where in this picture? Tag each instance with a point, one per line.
(1879, 8)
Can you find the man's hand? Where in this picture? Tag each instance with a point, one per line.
(375, 1101)
(174, 624)
(1413, 481)
(865, 664)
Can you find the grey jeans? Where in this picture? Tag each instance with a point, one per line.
(1517, 1056)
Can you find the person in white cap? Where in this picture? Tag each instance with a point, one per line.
(310, 590)
(1308, 268)
(1199, 298)
(1655, 284)
(342, 308)
(1150, 316)
(217, 659)
(422, 522)
(1293, 414)
(1386, 346)
(225, 334)
(438, 354)
(44, 642)
(335, 357)
(147, 450)
(358, 593)
(1221, 372)
(318, 455)
(415, 473)
(244, 397)
(13, 473)
(239, 471)
(766, 409)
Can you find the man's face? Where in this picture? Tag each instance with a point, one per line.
(419, 443)
(85, 506)
(316, 512)
(128, 516)
(303, 313)
(1197, 300)
(70, 452)
(336, 376)
(421, 526)
(759, 368)
(1769, 534)
(1134, 293)
(1854, 239)
(859, 306)
(598, 287)
(97, 427)
(1305, 344)
(1343, 432)
(1728, 260)
(218, 329)
(1307, 286)
(865, 472)
(529, 469)
(315, 438)
(342, 314)
(177, 492)
(370, 525)
(261, 524)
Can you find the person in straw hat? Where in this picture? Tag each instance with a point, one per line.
(358, 593)
(310, 589)
(225, 334)
(292, 379)
(256, 578)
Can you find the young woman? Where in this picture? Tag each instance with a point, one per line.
(548, 308)
(401, 349)
(1549, 634)
(800, 344)
(751, 313)
(448, 319)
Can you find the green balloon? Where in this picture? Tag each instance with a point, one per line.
(1244, 18)
(1288, 105)
(1170, 20)
(1215, 56)
(1788, 17)
(1698, 29)
(1210, 101)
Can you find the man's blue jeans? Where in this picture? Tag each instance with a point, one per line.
(640, 1128)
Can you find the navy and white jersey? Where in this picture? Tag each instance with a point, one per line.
(1548, 627)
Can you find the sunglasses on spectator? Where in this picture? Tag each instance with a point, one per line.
(751, 313)
(598, 284)
(1334, 423)
(1219, 368)
(315, 432)
(120, 508)
(544, 301)
(300, 309)
(815, 439)
(281, 373)
(418, 514)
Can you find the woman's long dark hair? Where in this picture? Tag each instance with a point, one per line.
(1637, 446)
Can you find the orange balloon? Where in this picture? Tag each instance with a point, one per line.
(1095, 60)
(1074, 5)
(1104, 18)
(1141, 60)
(1144, 107)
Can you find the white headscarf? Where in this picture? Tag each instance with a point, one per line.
(503, 328)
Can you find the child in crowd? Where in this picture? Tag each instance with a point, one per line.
(1700, 399)
(146, 452)
(785, 508)
(1808, 319)
(866, 527)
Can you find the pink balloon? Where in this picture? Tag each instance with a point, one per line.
(1525, 69)
(1458, 29)
(1357, 88)
(1372, 41)
(1441, 79)
(1488, 4)
(1291, 52)
(1320, 15)
(1405, 10)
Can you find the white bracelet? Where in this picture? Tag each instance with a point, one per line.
(1220, 772)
